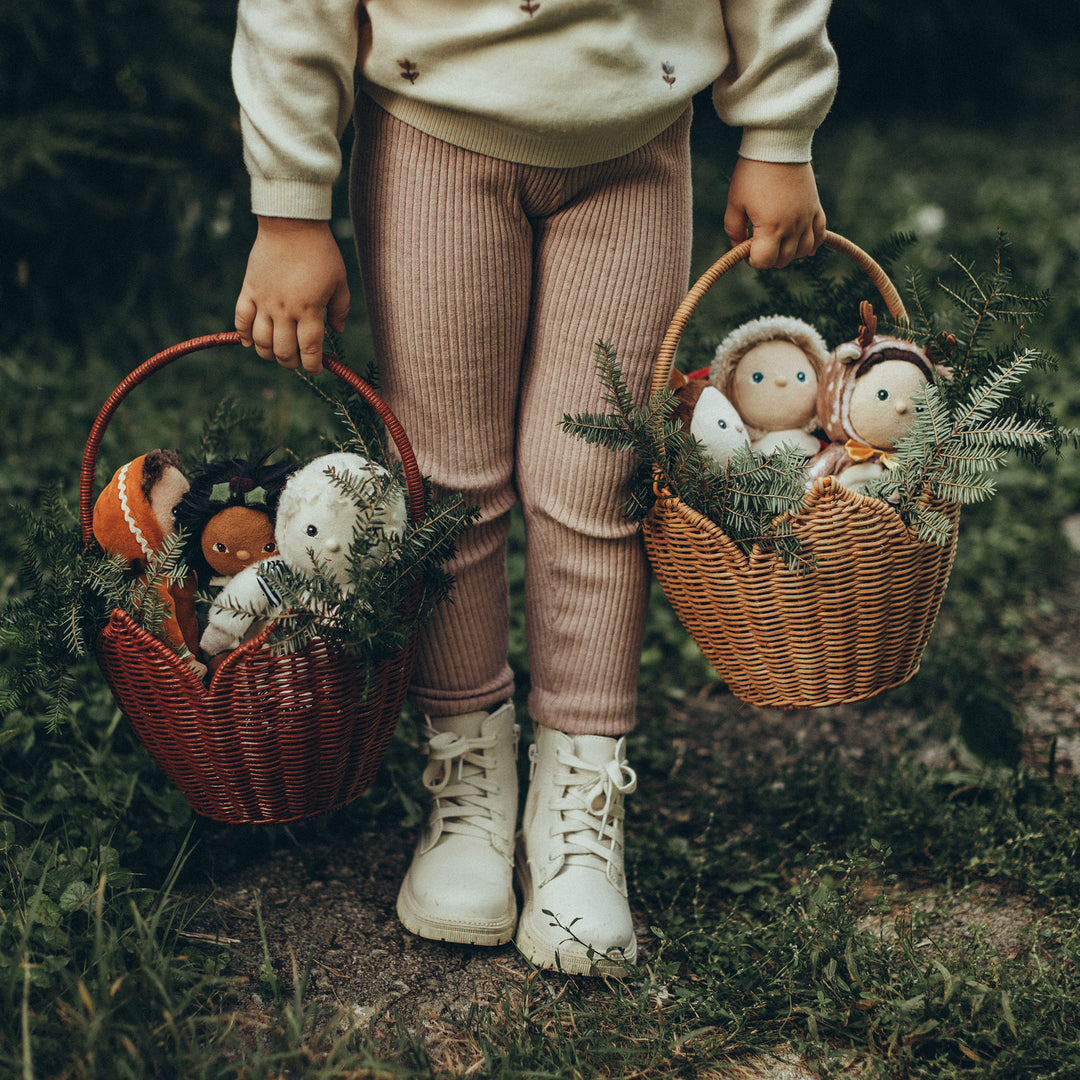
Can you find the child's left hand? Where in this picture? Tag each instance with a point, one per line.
(781, 202)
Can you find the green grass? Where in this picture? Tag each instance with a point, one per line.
(790, 911)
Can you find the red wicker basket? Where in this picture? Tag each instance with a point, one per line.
(273, 738)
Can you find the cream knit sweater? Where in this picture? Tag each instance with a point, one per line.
(543, 82)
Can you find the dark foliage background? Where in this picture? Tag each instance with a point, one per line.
(120, 174)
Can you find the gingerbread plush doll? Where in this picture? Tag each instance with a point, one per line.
(132, 517)
(228, 517)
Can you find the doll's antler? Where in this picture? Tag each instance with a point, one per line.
(868, 327)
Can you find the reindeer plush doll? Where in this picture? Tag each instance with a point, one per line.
(867, 398)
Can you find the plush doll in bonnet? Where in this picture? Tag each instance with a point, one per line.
(316, 523)
(866, 403)
(132, 517)
(768, 368)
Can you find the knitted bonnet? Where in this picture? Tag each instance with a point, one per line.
(767, 328)
(124, 522)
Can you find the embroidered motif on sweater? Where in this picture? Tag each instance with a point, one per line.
(668, 69)
(530, 7)
(409, 70)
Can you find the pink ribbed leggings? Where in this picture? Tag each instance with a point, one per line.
(488, 284)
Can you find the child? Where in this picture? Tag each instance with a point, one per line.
(520, 189)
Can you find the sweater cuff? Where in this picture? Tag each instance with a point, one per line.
(275, 197)
(783, 146)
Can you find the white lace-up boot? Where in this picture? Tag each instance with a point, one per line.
(570, 855)
(460, 884)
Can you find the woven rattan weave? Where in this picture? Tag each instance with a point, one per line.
(856, 625)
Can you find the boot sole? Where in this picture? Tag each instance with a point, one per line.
(571, 958)
(423, 925)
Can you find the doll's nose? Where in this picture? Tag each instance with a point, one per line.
(332, 545)
(781, 380)
(902, 406)
(243, 556)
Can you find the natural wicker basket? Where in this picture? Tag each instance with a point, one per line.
(856, 625)
(273, 738)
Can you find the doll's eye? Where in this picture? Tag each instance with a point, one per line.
(270, 548)
(883, 395)
(312, 530)
(221, 549)
(757, 377)
(801, 377)
(722, 425)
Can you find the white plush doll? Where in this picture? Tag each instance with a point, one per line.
(769, 370)
(717, 426)
(317, 520)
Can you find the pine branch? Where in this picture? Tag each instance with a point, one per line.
(54, 612)
(950, 454)
(228, 423)
(364, 430)
(747, 498)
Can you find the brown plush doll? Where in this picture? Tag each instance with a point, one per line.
(866, 402)
(228, 516)
(687, 391)
(132, 517)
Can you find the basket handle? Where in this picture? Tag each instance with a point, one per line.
(665, 357)
(413, 484)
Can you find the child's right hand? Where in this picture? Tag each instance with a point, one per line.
(295, 282)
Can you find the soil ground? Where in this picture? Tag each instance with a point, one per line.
(334, 903)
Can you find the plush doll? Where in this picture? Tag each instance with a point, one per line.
(132, 517)
(717, 426)
(687, 391)
(228, 516)
(866, 403)
(769, 369)
(317, 520)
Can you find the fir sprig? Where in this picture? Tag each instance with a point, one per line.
(952, 451)
(45, 630)
(143, 597)
(66, 591)
(644, 429)
(363, 430)
(394, 581)
(749, 497)
(228, 421)
(752, 498)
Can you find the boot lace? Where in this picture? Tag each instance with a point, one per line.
(457, 775)
(591, 810)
